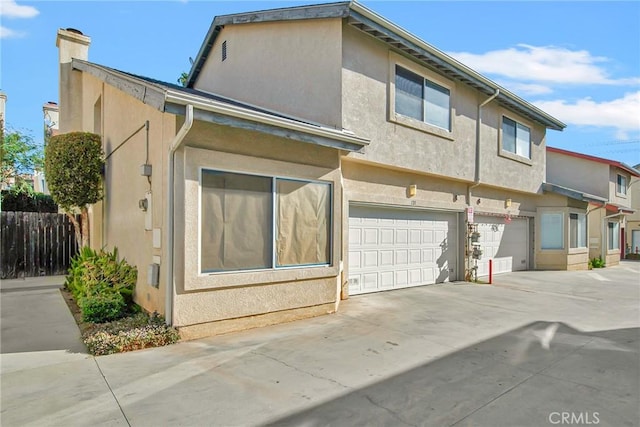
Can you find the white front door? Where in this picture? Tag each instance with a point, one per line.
(399, 248)
(506, 243)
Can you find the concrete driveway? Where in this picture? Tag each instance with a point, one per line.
(535, 349)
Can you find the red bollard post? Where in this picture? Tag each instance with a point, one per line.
(490, 271)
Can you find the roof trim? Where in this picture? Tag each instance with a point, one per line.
(624, 166)
(623, 210)
(165, 96)
(572, 194)
(379, 27)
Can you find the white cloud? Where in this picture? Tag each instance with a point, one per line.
(543, 64)
(526, 88)
(6, 33)
(10, 9)
(620, 114)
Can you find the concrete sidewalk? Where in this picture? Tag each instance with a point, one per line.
(524, 352)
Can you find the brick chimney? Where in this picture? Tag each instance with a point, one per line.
(71, 44)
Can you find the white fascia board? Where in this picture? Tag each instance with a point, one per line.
(256, 116)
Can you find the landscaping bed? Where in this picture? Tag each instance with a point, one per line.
(98, 292)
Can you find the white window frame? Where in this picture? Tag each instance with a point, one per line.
(613, 236)
(274, 225)
(561, 233)
(514, 154)
(579, 217)
(621, 190)
(426, 74)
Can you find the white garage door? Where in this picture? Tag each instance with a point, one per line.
(399, 248)
(505, 243)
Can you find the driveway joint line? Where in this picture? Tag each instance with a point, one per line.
(493, 400)
(112, 393)
(301, 370)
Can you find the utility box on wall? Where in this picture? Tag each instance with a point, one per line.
(153, 275)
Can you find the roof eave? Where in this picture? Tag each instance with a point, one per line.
(264, 122)
(407, 42)
(573, 194)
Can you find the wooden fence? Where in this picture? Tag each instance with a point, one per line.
(35, 244)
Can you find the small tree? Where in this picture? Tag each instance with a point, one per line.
(20, 155)
(73, 170)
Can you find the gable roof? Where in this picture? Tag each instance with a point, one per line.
(384, 30)
(614, 163)
(172, 98)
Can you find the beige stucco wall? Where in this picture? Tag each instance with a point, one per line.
(117, 221)
(579, 174)
(368, 86)
(291, 67)
(211, 297)
(598, 233)
(614, 196)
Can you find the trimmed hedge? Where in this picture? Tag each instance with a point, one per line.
(23, 202)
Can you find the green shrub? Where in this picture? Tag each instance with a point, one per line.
(132, 333)
(597, 263)
(101, 272)
(102, 307)
(27, 202)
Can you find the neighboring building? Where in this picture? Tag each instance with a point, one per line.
(632, 237)
(51, 126)
(599, 202)
(317, 152)
(3, 107)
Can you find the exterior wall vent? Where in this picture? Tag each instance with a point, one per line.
(224, 50)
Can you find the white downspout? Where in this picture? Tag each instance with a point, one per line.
(476, 180)
(175, 144)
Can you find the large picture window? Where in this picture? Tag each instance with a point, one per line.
(552, 231)
(577, 230)
(516, 138)
(253, 222)
(422, 99)
(614, 235)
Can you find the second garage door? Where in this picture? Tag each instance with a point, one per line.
(506, 243)
(399, 248)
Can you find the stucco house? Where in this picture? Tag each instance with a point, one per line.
(594, 222)
(632, 228)
(317, 152)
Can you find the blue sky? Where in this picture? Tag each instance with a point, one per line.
(579, 61)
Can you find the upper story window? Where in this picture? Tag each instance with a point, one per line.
(516, 138)
(422, 99)
(621, 185)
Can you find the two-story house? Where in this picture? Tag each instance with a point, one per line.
(632, 238)
(317, 152)
(593, 224)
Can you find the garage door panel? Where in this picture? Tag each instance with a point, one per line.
(504, 243)
(386, 258)
(412, 248)
(386, 280)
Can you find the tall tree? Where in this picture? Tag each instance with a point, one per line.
(21, 155)
(73, 170)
